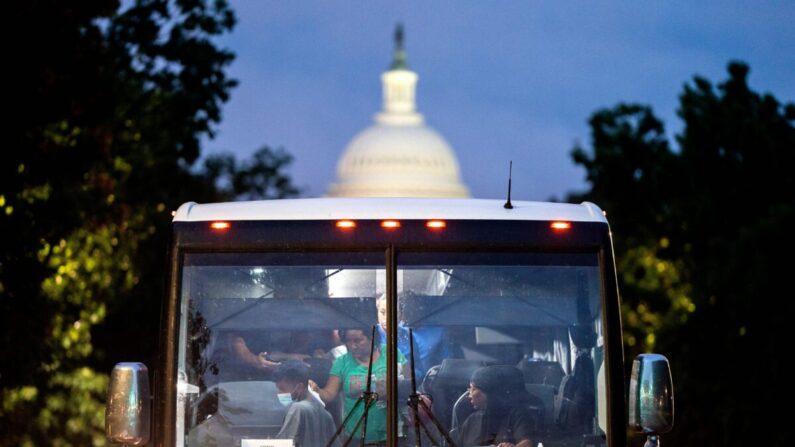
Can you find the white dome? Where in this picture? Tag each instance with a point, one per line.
(398, 161)
(398, 156)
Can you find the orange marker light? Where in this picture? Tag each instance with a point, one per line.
(560, 226)
(220, 226)
(436, 224)
(346, 224)
(390, 224)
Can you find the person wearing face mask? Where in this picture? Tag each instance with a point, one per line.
(307, 422)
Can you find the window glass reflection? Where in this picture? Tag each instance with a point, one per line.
(277, 347)
(509, 346)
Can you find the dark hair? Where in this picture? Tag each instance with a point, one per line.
(366, 331)
(499, 380)
(292, 371)
(504, 388)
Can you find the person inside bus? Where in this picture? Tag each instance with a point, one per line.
(258, 351)
(243, 355)
(242, 351)
(287, 345)
(502, 417)
(349, 374)
(307, 422)
(430, 342)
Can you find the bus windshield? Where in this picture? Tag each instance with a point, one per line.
(278, 346)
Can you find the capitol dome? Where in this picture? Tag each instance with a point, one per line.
(398, 156)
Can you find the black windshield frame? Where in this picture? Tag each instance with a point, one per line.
(323, 236)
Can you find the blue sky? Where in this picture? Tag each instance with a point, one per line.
(500, 81)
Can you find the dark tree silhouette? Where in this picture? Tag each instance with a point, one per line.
(704, 243)
(107, 108)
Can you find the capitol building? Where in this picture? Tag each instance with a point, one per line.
(398, 155)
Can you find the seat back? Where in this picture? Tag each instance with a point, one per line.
(252, 409)
(541, 372)
(450, 381)
(544, 399)
(462, 408)
(577, 399)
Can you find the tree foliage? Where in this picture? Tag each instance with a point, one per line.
(108, 110)
(702, 240)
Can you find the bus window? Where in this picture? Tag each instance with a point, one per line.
(256, 329)
(528, 326)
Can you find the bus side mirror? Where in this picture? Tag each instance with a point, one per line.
(651, 396)
(127, 412)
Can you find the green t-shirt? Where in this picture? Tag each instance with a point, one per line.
(353, 376)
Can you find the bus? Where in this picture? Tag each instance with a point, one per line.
(410, 322)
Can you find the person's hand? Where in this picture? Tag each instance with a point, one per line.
(312, 385)
(264, 363)
(423, 409)
(380, 388)
(321, 354)
(505, 444)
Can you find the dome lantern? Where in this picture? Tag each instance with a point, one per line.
(399, 84)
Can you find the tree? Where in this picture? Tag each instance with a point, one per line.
(702, 236)
(630, 166)
(107, 111)
(259, 178)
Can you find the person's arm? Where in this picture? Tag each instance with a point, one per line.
(242, 352)
(330, 391)
(282, 356)
(523, 443)
(522, 425)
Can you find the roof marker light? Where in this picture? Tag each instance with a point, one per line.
(346, 224)
(436, 224)
(220, 226)
(390, 224)
(560, 226)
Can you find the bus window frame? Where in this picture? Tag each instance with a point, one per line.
(322, 236)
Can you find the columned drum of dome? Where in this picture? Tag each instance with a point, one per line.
(398, 156)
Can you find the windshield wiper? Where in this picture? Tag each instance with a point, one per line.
(415, 401)
(368, 397)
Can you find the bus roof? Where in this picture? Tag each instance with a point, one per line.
(387, 208)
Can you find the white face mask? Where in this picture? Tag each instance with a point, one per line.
(285, 398)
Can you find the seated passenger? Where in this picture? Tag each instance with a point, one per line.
(307, 422)
(502, 417)
(349, 374)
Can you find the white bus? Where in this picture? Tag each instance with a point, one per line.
(491, 297)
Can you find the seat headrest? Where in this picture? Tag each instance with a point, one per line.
(457, 371)
(541, 371)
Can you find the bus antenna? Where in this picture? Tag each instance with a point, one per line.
(508, 205)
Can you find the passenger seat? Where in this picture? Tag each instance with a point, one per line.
(450, 381)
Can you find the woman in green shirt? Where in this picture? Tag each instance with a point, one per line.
(349, 373)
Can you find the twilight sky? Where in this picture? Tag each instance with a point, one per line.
(509, 80)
